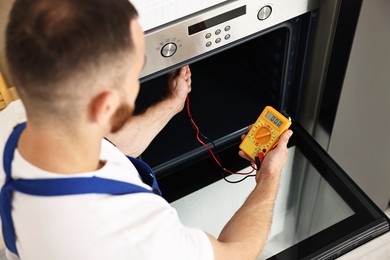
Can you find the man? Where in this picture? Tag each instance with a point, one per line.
(67, 193)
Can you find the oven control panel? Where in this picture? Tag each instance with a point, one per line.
(217, 36)
(192, 37)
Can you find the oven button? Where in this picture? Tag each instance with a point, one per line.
(208, 35)
(218, 40)
(217, 32)
(227, 28)
(227, 36)
(208, 44)
(168, 49)
(264, 12)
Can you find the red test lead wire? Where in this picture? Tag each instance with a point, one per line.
(198, 133)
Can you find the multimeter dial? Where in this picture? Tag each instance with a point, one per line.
(262, 135)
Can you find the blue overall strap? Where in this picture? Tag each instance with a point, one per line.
(146, 174)
(5, 195)
(57, 187)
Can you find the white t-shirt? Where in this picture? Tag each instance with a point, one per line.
(94, 226)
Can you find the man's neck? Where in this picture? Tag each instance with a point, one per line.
(60, 153)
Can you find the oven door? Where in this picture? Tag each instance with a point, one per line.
(325, 214)
(320, 213)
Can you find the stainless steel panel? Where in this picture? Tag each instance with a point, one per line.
(359, 140)
(318, 66)
(190, 46)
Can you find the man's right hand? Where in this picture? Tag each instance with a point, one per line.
(275, 160)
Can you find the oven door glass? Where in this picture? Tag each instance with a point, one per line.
(319, 214)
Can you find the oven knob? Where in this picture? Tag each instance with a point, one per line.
(169, 49)
(264, 12)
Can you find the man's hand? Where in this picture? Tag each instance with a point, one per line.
(179, 84)
(137, 134)
(275, 160)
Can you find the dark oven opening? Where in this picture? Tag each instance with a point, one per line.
(229, 91)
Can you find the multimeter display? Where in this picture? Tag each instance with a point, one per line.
(273, 119)
(265, 132)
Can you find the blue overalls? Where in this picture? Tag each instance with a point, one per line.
(59, 187)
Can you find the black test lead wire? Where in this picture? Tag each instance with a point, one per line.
(215, 154)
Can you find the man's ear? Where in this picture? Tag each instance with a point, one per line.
(103, 106)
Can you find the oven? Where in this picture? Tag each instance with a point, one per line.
(244, 56)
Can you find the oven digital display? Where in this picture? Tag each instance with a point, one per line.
(216, 20)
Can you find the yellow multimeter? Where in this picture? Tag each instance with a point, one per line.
(265, 132)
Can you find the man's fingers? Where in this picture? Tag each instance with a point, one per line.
(243, 155)
(183, 71)
(283, 139)
(178, 72)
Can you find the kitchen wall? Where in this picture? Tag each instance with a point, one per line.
(360, 141)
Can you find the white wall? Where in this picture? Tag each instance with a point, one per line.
(360, 141)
